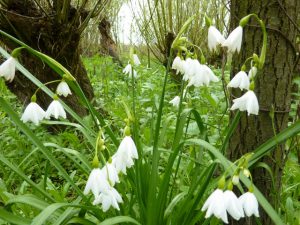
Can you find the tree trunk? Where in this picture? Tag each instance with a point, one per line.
(108, 45)
(58, 39)
(273, 88)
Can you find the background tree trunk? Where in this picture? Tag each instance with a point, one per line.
(273, 87)
(108, 45)
(52, 36)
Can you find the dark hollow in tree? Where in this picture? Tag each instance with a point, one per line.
(54, 28)
(273, 88)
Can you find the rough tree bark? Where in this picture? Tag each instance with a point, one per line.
(108, 45)
(52, 36)
(273, 87)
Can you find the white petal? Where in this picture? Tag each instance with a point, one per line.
(234, 40)
(214, 38)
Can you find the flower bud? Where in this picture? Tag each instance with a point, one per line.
(95, 162)
(245, 20)
(221, 183)
(33, 98)
(127, 131)
(246, 172)
(235, 179)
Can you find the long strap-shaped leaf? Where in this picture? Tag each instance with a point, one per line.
(12, 218)
(23, 176)
(272, 142)
(15, 118)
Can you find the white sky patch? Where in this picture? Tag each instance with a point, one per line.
(127, 28)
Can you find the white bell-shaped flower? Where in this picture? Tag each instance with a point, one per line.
(234, 40)
(63, 89)
(136, 60)
(215, 38)
(128, 71)
(252, 72)
(56, 110)
(111, 173)
(175, 101)
(240, 80)
(215, 205)
(8, 69)
(179, 65)
(233, 205)
(97, 183)
(191, 68)
(110, 197)
(33, 113)
(248, 102)
(125, 155)
(249, 204)
(203, 76)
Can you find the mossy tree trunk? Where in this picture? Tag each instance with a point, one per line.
(54, 35)
(273, 88)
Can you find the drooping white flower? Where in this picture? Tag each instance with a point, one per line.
(249, 204)
(248, 102)
(234, 40)
(111, 173)
(63, 89)
(215, 205)
(175, 101)
(203, 76)
(179, 65)
(56, 110)
(252, 72)
(233, 205)
(33, 113)
(215, 38)
(240, 80)
(97, 183)
(128, 71)
(125, 155)
(108, 198)
(191, 68)
(136, 60)
(8, 69)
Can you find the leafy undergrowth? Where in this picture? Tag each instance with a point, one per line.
(113, 92)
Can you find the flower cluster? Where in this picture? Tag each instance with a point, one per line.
(194, 72)
(101, 182)
(220, 202)
(248, 102)
(34, 113)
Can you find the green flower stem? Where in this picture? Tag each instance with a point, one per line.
(151, 203)
(262, 57)
(45, 84)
